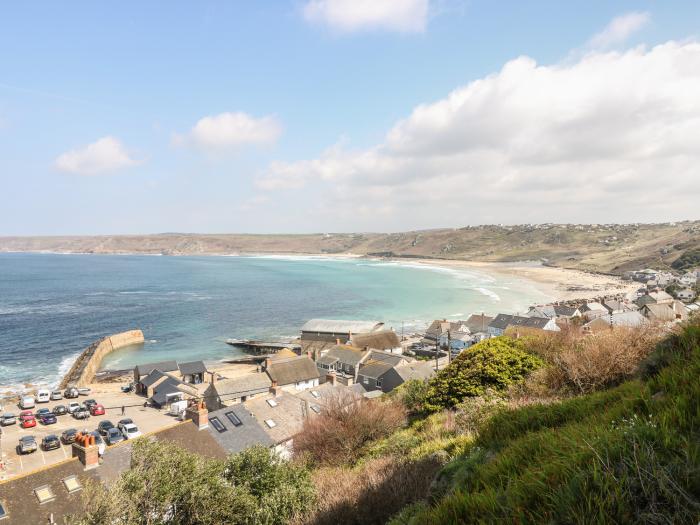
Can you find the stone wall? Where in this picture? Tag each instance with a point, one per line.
(88, 363)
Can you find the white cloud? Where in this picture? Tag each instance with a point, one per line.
(404, 16)
(619, 29)
(233, 130)
(612, 136)
(103, 156)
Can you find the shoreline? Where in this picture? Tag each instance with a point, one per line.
(559, 284)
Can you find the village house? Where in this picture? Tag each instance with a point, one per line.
(235, 429)
(661, 313)
(227, 392)
(629, 319)
(456, 334)
(281, 417)
(320, 334)
(162, 366)
(385, 340)
(193, 372)
(592, 309)
(554, 311)
(478, 323)
(688, 279)
(660, 297)
(378, 368)
(292, 372)
(343, 359)
(504, 321)
(331, 391)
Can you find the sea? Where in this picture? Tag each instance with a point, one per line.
(54, 305)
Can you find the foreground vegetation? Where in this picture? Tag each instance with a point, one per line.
(541, 429)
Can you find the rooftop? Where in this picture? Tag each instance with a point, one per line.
(333, 326)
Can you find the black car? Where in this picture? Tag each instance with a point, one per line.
(69, 436)
(50, 442)
(81, 413)
(125, 421)
(41, 412)
(104, 427)
(47, 418)
(60, 410)
(89, 403)
(113, 436)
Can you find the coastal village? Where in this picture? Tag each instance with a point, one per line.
(265, 397)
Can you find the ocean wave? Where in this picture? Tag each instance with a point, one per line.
(489, 293)
(135, 292)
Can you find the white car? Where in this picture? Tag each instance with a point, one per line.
(26, 402)
(43, 396)
(73, 406)
(130, 431)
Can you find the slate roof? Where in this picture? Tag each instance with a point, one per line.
(380, 340)
(346, 354)
(417, 370)
(478, 323)
(327, 360)
(292, 370)
(375, 369)
(162, 391)
(321, 394)
(660, 312)
(288, 415)
(163, 366)
(193, 367)
(235, 438)
(152, 377)
(503, 321)
(249, 384)
(333, 326)
(385, 357)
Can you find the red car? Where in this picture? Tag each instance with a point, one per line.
(97, 410)
(28, 421)
(25, 414)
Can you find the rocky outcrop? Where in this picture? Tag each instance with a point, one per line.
(88, 363)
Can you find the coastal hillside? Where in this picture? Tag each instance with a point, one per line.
(612, 248)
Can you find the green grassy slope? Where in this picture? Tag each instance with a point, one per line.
(630, 454)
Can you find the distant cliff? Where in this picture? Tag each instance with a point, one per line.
(602, 248)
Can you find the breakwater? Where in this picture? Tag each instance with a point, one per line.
(88, 362)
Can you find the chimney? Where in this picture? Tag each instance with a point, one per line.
(273, 388)
(268, 362)
(212, 378)
(337, 341)
(199, 414)
(85, 449)
(331, 377)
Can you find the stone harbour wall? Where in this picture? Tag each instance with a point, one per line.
(88, 363)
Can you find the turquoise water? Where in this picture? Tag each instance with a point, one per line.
(52, 306)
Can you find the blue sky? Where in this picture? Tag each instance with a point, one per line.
(316, 115)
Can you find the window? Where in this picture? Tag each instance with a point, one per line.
(272, 403)
(234, 419)
(44, 494)
(316, 408)
(3, 510)
(270, 423)
(379, 382)
(315, 393)
(72, 484)
(217, 424)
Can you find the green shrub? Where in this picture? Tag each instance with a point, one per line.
(492, 364)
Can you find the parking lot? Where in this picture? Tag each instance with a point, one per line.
(147, 419)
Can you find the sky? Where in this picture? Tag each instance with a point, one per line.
(276, 116)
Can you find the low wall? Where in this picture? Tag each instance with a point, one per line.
(88, 363)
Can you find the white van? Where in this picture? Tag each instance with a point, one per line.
(43, 396)
(26, 402)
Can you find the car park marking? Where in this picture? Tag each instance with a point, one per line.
(43, 458)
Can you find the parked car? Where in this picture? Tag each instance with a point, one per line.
(130, 431)
(81, 413)
(60, 410)
(26, 402)
(50, 442)
(28, 422)
(104, 426)
(99, 442)
(43, 395)
(42, 411)
(8, 419)
(125, 421)
(89, 403)
(84, 391)
(69, 436)
(25, 414)
(113, 436)
(97, 410)
(71, 393)
(73, 406)
(128, 388)
(56, 395)
(27, 445)
(47, 418)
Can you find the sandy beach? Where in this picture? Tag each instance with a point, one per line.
(560, 283)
